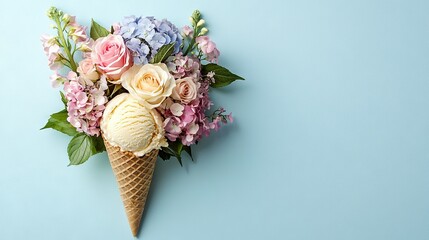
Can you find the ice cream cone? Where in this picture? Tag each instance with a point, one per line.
(134, 175)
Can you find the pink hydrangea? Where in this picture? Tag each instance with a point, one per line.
(86, 103)
(52, 51)
(184, 66)
(188, 122)
(208, 48)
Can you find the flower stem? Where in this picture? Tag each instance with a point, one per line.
(65, 44)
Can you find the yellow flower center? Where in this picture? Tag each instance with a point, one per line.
(148, 82)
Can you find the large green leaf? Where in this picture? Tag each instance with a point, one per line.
(163, 53)
(223, 77)
(97, 31)
(58, 121)
(80, 148)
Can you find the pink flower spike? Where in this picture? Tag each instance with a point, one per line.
(208, 47)
(56, 80)
(78, 33)
(187, 31)
(231, 120)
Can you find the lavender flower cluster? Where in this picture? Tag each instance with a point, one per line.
(145, 36)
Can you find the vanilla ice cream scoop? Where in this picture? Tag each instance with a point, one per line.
(128, 124)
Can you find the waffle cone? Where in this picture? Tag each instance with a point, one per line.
(134, 175)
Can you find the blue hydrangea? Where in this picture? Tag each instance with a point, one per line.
(145, 36)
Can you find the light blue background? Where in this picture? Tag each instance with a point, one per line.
(330, 140)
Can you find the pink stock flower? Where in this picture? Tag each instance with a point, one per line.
(78, 33)
(52, 51)
(86, 103)
(187, 31)
(57, 79)
(111, 56)
(208, 47)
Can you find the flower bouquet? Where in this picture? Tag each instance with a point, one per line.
(138, 89)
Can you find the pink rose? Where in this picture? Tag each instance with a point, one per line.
(186, 90)
(111, 57)
(87, 70)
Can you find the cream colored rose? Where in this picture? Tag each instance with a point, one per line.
(150, 83)
(186, 90)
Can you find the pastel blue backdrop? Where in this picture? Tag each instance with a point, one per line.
(331, 138)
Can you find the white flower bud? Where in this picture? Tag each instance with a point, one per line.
(66, 18)
(203, 31)
(201, 23)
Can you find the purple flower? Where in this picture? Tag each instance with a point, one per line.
(145, 36)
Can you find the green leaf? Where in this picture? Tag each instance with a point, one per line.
(116, 88)
(164, 155)
(222, 75)
(58, 121)
(97, 31)
(188, 150)
(174, 149)
(80, 148)
(98, 143)
(163, 53)
(63, 99)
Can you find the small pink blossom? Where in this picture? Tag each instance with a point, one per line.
(172, 128)
(116, 28)
(78, 33)
(230, 118)
(176, 109)
(208, 47)
(187, 31)
(57, 79)
(184, 66)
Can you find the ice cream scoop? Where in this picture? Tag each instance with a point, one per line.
(128, 124)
